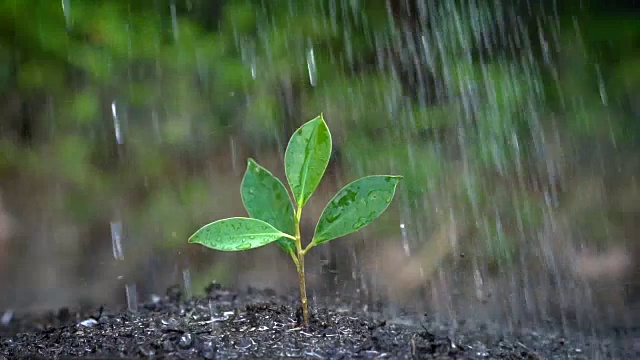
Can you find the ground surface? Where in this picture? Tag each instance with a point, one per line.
(259, 324)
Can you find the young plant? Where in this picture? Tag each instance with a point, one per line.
(275, 218)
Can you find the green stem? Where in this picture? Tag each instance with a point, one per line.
(309, 246)
(295, 259)
(288, 236)
(300, 268)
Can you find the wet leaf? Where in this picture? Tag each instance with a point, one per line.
(236, 234)
(265, 198)
(355, 206)
(307, 157)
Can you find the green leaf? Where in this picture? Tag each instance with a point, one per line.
(265, 198)
(306, 158)
(355, 206)
(236, 234)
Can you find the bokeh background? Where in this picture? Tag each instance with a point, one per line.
(126, 125)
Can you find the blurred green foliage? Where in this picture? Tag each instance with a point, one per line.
(184, 76)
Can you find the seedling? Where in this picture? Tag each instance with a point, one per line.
(275, 218)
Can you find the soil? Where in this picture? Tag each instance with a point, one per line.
(226, 324)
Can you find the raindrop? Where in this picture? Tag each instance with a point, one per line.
(601, 87)
(116, 123)
(186, 280)
(244, 246)
(132, 297)
(311, 66)
(116, 240)
(212, 311)
(234, 155)
(174, 21)
(66, 10)
(6, 318)
(405, 240)
(478, 281)
(254, 71)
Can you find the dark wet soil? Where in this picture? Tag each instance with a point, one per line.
(261, 325)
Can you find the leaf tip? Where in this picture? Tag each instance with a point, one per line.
(323, 122)
(191, 239)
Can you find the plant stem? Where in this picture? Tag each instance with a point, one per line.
(300, 268)
(289, 236)
(295, 259)
(309, 246)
